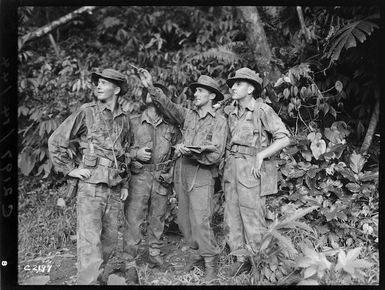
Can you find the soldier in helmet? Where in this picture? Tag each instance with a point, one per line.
(101, 130)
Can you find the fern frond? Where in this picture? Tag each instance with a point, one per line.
(221, 53)
(347, 36)
(284, 242)
(297, 215)
(294, 225)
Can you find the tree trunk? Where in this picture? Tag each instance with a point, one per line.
(304, 29)
(372, 127)
(53, 25)
(257, 40)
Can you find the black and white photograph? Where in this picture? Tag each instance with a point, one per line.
(196, 145)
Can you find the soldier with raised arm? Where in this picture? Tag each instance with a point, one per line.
(203, 143)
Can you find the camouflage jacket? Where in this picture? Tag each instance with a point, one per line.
(211, 129)
(242, 129)
(159, 137)
(88, 133)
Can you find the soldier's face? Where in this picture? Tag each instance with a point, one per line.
(105, 90)
(202, 96)
(240, 90)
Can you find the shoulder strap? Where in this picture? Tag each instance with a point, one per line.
(88, 111)
(258, 123)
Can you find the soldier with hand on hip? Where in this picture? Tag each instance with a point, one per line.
(101, 131)
(249, 172)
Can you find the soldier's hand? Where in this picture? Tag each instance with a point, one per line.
(80, 173)
(143, 155)
(256, 169)
(145, 77)
(182, 149)
(123, 193)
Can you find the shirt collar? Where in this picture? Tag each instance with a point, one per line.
(146, 118)
(104, 106)
(249, 106)
(211, 111)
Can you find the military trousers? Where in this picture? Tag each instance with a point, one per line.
(98, 207)
(147, 201)
(244, 212)
(194, 185)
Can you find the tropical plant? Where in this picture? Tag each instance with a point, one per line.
(272, 256)
(317, 269)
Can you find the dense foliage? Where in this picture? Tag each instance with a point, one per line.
(325, 95)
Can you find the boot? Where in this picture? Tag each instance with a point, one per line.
(239, 267)
(211, 268)
(130, 273)
(194, 260)
(158, 262)
(155, 261)
(131, 276)
(102, 279)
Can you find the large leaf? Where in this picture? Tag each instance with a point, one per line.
(337, 132)
(348, 36)
(349, 262)
(318, 147)
(347, 173)
(353, 187)
(356, 162)
(26, 163)
(313, 259)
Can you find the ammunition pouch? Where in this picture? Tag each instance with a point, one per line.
(72, 188)
(90, 161)
(269, 177)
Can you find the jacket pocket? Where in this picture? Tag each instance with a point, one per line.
(269, 177)
(245, 177)
(90, 161)
(160, 189)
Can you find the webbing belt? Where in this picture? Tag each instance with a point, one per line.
(252, 151)
(155, 167)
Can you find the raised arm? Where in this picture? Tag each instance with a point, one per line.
(175, 113)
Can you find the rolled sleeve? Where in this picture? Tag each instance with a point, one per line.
(273, 123)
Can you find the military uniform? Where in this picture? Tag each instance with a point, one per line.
(98, 197)
(150, 182)
(245, 203)
(194, 175)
